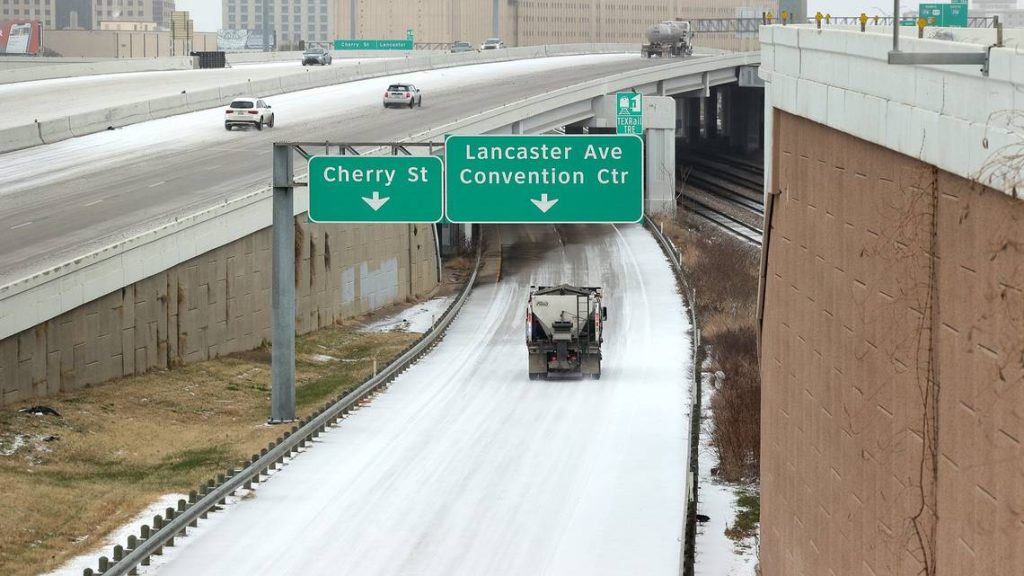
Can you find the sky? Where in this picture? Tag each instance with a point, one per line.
(206, 14)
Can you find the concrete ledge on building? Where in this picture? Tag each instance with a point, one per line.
(953, 117)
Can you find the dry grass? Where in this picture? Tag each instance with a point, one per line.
(722, 273)
(119, 446)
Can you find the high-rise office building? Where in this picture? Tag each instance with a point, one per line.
(162, 10)
(73, 15)
(42, 10)
(122, 11)
(291, 20)
(526, 22)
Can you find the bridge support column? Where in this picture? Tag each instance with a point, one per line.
(710, 106)
(745, 121)
(660, 170)
(659, 147)
(691, 120)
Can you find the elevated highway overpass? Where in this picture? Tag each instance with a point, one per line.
(91, 216)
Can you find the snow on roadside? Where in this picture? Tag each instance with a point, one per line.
(715, 553)
(120, 536)
(417, 318)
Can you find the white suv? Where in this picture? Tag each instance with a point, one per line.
(248, 112)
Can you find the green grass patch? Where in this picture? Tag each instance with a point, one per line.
(748, 515)
(340, 380)
(170, 472)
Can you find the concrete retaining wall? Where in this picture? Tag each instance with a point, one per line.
(217, 303)
(19, 137)
(892, 405)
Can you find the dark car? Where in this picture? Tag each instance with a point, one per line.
(316, 56)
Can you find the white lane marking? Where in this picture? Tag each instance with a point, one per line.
(160, 183)
(22, 225)
(94, 202)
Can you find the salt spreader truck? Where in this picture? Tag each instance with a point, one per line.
(564, 331)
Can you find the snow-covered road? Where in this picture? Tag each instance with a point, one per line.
(465, 467)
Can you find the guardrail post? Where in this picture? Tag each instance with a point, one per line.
(283, 289)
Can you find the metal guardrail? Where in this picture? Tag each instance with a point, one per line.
(165, 530)
(972, 21)
(720, 25)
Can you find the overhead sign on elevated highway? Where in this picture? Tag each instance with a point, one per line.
(382, 189)
(557, 179)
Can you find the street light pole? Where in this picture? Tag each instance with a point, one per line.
(895, 25)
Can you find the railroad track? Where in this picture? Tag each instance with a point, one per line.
(734, 226)
(730, 194)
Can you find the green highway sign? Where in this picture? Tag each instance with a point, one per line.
(386, 189)
(944, 15)
(629, 113)
(406, 44)
(558, 179)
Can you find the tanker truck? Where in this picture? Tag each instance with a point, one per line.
(668, 38)
(564, 331)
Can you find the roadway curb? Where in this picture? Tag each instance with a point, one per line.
(689, 542)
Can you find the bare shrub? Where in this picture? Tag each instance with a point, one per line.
(722, 274)
(736, 406)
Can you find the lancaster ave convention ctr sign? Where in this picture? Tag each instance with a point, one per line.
(566, 179)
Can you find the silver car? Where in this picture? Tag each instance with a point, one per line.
(403, 95)
(461, 46)
(316, 56)
(492, 44)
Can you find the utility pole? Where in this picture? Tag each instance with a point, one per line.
(266, 25)
(495, 23)
(353, 13)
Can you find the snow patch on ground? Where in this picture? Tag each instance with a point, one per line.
(716, 554)
(9, 448)
(417, 318)
(75, 566)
